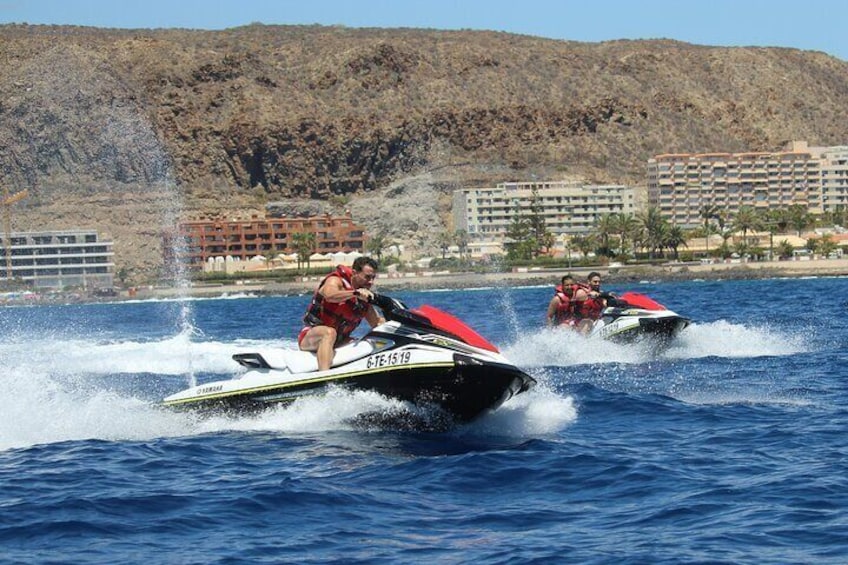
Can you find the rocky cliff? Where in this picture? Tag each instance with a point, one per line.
(130, 130)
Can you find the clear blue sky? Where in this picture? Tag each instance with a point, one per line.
(819, 25)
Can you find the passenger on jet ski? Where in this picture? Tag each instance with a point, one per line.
(342, 299)
(589, 303)
(561, 307)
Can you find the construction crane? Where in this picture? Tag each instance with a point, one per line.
(8, 200)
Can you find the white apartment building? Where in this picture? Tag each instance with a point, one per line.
(834, 178)
(57, 259)
(681, 184)
(568, 207)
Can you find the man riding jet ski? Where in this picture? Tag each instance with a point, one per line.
(626, 318)
(423, 356)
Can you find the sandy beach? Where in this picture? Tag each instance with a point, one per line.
(612, 275)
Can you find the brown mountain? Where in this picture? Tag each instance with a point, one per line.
(129, 130)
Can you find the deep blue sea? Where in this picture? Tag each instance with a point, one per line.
(729, 447)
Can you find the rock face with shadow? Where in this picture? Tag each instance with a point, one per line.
(165, 124)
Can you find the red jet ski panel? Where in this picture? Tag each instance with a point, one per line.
(641, 301)
(455, 326)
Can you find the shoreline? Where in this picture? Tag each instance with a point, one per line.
(615, 274)
(611, 274)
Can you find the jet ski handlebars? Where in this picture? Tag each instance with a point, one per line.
(395, 310)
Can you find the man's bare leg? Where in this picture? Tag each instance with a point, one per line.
(322, 340)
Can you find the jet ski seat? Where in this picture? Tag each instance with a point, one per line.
(297, 362)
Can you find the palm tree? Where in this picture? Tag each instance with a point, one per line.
(674, 238)
(461, 238)
(724, 232)
(376, 244)
(774, 221)
(746, 219)
(708, 212)
(798, 217)
(628, 227)
(444, 240)
(304, 244)
(605, 226)
(823, 246)
(584, 243)
(656, 228)
(785, 249)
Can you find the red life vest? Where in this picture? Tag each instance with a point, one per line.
(564, 313)
(590, 308)
(345, 316)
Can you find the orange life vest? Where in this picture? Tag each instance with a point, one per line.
(345, 316)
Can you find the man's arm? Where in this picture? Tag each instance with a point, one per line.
(334, 291)
(581, 295)
(552, 308)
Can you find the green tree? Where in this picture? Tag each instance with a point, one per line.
(304, 245)
(536, 220)
(799, 218)
(785, 249)
(628, 228)
(444, 240)
(123, 275)
(724, 250)
(461, 239)
(377, 244)
(674, 237)
(827, 245)
(823, 246)
(584, 243)
(519, 242)
(839, 216)
(655, 227)
(773, 221)
(708, 213)
(746, 220)
(605, 227)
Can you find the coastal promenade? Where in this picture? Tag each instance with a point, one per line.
(611, 274)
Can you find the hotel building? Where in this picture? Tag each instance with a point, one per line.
(568, 207)
(245, 239)
(681, 184)
(834, 178)
(59, 259)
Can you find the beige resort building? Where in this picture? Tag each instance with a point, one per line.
(568, 207)
(681, 184)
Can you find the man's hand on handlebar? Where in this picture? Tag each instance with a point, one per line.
(364, 294)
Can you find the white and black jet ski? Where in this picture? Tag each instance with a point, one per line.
(423, 356)
(633, 317)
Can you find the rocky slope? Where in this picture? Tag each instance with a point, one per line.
(130, 130)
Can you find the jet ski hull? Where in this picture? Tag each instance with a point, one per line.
(660, 330)
(462, 391)
(634, 317)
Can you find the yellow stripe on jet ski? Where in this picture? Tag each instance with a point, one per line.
(219, 395)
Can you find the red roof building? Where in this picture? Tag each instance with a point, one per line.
(265, 237)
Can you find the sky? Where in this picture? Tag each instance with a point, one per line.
(818, 26)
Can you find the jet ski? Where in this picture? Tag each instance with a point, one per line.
(423, 356)
(634, 317)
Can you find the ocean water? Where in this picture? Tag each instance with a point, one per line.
(729, 447)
